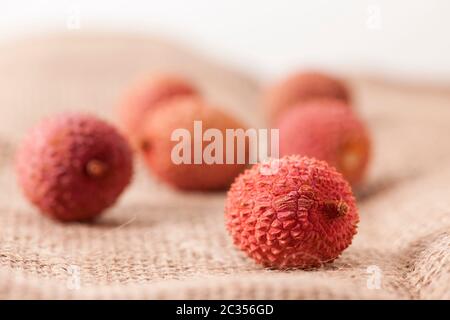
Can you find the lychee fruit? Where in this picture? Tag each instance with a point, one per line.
(147, 95)
(193, 171)
(327, 130)
(302, 87)
(73, 166)
(302, 215)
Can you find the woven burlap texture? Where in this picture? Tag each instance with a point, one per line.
(160, 244)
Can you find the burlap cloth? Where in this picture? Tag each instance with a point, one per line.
(157, 243)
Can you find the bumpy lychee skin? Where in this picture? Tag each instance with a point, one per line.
(327, 130)
(147, 95)
(303, 87)
(302, 215)
(73, 166)
(156, 145)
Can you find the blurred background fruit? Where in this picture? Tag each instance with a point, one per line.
(145, 96)
(157, 146)
(302, 87)
(328, 130)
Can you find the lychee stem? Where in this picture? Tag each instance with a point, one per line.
(335, 208)
(145, 145)
(96, 168)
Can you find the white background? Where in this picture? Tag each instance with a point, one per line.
(408, 39)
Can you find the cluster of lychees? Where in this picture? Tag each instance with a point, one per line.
(316, 118)
(74, 166)
(305, 214)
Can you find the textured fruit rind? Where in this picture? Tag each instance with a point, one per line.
(52, 165)
(302, 216)
(328, 130)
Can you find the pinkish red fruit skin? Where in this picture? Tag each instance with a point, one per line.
(156, 145)
(327, 130)
(302, 87)
(302, 216)
(147, 95)
(51, 166)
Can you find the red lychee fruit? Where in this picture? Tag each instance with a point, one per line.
(302, 87)
(73, 166)
(159, 149)
(147, 95)
(302, 215)
(327, 130)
